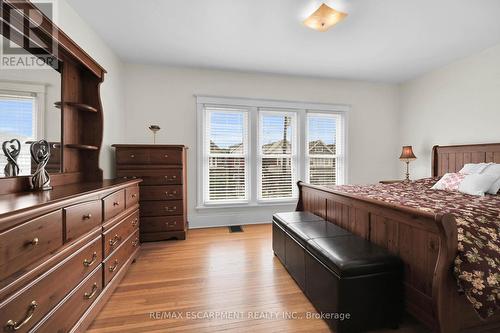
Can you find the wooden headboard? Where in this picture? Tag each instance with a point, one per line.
(452, 158)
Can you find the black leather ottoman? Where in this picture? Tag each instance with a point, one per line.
(355, 284)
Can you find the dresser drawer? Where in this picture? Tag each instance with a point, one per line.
(131, 196)
(162, 223)
(35, 302)
(115, 262)
(69, 312)
(82, 218)
(165, 156)
(167, 192)
(114, 204)
(161, 208)
(132, 156)
(154, 177)
(29, 242)
(115, 236)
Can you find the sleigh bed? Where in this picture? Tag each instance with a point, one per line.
(427, 241)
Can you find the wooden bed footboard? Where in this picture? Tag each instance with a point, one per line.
(426, 242)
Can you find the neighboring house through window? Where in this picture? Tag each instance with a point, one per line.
(254, 151)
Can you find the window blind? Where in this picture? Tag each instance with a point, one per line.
(322, 133)
(18, 120)
(277, 155)
(226, 154)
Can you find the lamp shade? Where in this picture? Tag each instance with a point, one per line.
(407, 154)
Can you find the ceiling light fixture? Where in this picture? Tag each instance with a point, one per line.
(324, 18)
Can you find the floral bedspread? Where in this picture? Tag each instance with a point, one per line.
(477, 265)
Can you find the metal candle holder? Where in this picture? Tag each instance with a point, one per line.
(154, 129)
(40, 153)
(11, 150)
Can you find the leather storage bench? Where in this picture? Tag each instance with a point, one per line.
(342, 274)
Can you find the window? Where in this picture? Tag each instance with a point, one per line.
(254, 151)
(18, 119)
(323, 149)
(226, 154)
(277, 155)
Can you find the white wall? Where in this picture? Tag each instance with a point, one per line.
(164, 96)
(457, 104)
(111, 90)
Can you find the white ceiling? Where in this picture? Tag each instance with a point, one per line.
(384, 40)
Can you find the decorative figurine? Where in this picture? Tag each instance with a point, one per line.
(154, 129)
(11, 149)
(40, 153)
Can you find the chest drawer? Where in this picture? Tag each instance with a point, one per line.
(165, 156)
(115, 262)
(161, 208)
(29, 306)
(132, 156)
(162, 223)
(29, 242)
(131, 196)
(167, 192)
(114, 237)
(82, 218)
(154, 177)
(69, 312)
(114, 204)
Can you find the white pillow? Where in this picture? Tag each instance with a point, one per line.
(494, 170)
(477, 184)
(471, 168)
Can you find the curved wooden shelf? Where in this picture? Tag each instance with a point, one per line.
(79, 106)
(81, 147)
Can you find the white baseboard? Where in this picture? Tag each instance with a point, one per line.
(258, 215)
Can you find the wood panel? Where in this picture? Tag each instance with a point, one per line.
(453, 158)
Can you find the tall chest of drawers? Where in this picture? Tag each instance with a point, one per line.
(162, 190)
(63, 252)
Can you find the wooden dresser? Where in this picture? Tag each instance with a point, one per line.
(63, 252)
(163, 189)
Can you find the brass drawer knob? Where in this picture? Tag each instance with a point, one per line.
(87, 216)
(114, 267)
(114, 240)
(134, 195)
(116, 203)
(92, 292)
(35, 241)
(14, 325)
(166, 155)
(132, 155)
(135, 242)
(134, 222)
(88, 262)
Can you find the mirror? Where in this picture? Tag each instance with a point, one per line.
(28, 113)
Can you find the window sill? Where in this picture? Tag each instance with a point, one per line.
(248, 205)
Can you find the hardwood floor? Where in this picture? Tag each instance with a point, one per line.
(212, 273)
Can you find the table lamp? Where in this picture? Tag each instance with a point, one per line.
(407, 156)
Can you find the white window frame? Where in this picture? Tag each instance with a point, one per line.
(340, 169)
(254, 106)
(38, 91)
(207, 155)
(293, 155)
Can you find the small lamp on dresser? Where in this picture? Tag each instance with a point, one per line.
(407, 156)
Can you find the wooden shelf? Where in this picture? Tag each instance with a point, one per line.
(81, 147)
(79, 106)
